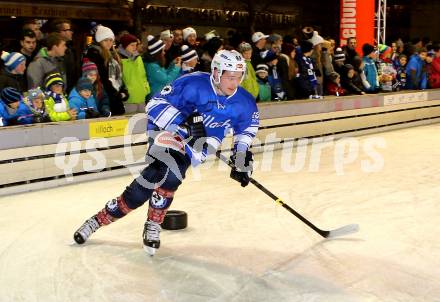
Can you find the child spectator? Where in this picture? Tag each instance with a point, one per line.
(400, 67)
(56, 103)
(415, 70)
(13, 71)
(347, 81)
(35, 102)
(250, 79)
(264, 89)
(189, 59)
(90, 71)
(81, 99)
(12, 109)
(334, 85)
(307, 81)
(434, 78)
(133, 75)
(370, 70)
(275, 81)
(158, 75)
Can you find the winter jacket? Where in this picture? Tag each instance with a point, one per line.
(42, 66)
(276, 84)
(71, 66)
(416, 77)
(17, 81)
(57, 108)
(159, 77)
(307, 79)
(335, 89)
(134, 77)
(250, 80)
(350, 86)
(82, 105)
(370, 72)
(20, 116)
(264, 91)
(434, 77)
(115, 97)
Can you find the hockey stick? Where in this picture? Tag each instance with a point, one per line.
(342, 231)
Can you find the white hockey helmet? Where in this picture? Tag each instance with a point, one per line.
(227, 60)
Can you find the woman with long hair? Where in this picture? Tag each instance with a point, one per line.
(102, 53)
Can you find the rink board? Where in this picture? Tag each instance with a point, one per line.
(28, 165)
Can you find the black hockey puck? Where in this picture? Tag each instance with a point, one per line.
(175, 220)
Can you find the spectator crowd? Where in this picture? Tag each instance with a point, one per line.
(46, 79)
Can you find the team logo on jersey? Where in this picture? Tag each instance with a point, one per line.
(166, 90)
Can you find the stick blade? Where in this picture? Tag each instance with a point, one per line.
(342, 231)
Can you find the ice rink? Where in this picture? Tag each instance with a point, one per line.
(240, 245)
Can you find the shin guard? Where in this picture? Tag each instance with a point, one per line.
(160, 201)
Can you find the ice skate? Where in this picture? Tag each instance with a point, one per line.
(151, 237)
(88, 228)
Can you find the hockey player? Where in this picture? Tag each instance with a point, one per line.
(187, 121)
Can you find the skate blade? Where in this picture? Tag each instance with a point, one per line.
(150, 250)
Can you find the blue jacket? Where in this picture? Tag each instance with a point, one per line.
(22, 116)
(237, 113)
(420, 80)
(158, 76)
(370, 71)
(81, 104)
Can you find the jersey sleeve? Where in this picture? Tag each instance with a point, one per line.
(246, 128)
(171, 106)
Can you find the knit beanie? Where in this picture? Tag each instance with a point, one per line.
(154, 45)
(306, 46)
(339, 55)
(244, 46)
(35, 94)
(262, 68)
(127, 39)
(52, 79)
(367, 49)
(84, 84)
(12, 60)
(103, 33)
(10, 95)
(188, 54)
(316, 39)
(188, 31)
(88, 67)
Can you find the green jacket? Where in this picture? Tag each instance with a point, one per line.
(59, 112)
(265, 94)
(135, 79)
(250, 80)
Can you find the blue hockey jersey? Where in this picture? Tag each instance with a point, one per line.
(236, 114)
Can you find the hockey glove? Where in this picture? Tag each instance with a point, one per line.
(243, 165)
(196, 131)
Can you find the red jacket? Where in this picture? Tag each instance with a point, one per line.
(334, 89)
(434, 76)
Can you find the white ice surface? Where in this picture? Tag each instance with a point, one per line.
(240, 245)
